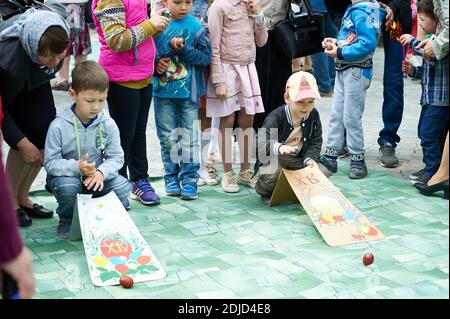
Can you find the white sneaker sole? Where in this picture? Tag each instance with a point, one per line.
(137, 198)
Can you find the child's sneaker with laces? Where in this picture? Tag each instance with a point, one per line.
(247, 178)
(63, 229)
(207, 176)
(229, 183)
(329, 163)
(144, 192)
(189, 191)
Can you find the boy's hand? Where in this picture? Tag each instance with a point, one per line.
(331, 50)
(389, 15)
(159, 21)
(406, 39)
(407, 68)
(95, 182)
(177, 43)
(311, 163)
(86, 169)
(222, 92)
(162, 65)
(255, 6)
(327, 43)
(286, 149)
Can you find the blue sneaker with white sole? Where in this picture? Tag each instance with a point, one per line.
(173, 189)
(189, 191)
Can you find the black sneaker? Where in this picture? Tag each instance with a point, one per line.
(265, 200)
(387, 156)
(23, 218)
(329, 164)
(422, 179)
(343, 152)
(415, 176)
(358, 169)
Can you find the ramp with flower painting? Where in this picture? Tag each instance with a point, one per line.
(114, 246)
(337, 220)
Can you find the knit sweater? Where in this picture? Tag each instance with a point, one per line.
(111, 15)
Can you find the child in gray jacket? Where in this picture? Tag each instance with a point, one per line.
(82, 149)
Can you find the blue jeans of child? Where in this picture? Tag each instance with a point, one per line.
(66, 188)
(433, 121)
(177, 129)
(348, 108)
(392, 111)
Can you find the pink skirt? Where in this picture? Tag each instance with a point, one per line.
(243, 92)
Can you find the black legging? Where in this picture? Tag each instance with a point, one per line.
(129, 108)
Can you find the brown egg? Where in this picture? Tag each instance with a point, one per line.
(368, 259)
(126, 282)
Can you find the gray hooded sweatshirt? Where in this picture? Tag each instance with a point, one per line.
(66, 144)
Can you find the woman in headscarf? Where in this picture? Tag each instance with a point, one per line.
(31, 52)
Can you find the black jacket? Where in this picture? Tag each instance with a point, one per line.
(281, 120)
(18, 74)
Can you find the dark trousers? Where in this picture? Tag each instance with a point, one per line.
(433, 121)
(392, 91)
(129, 108)
(274, 69)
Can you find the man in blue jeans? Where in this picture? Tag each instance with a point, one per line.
(324, 68)
(399, 11)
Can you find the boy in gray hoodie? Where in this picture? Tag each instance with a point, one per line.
(82, 149)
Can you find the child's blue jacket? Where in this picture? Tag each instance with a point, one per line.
(360, 30)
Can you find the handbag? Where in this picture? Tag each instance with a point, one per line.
(300, 35)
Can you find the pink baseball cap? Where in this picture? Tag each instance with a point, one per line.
(302, 85)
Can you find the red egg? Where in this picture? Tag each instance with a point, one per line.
(126, 282)
(368, 259)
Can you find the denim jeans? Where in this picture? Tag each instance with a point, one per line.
(66, 188)
(433, 120)
(392, 112)
(176, 126)
(324, 68)
(348, 108)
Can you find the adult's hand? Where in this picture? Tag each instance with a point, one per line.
(389, 15)
(30, 153)
(427, 46)
(21, 270)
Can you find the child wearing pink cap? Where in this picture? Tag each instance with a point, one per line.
(291, 136)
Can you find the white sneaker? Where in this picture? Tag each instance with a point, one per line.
(229, 183)
(201, 181)
(245, 178)
(208, 175)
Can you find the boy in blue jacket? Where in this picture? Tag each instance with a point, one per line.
(82, 148)
(183, 52)
(353, 51)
